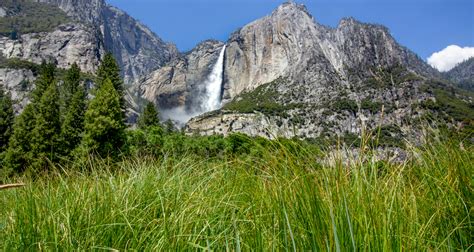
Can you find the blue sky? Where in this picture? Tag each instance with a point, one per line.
(424, 26)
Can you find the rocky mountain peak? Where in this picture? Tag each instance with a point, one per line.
(291, 8)
(348, 21)
(137, 49)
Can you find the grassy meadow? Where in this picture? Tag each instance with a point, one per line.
(284, 196)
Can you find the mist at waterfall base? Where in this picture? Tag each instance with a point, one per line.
(209, 100)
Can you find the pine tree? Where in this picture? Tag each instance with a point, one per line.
(18, 155)
(104, 126)
(6, 119)
(109, 69)
(72, 83)
(45, 139)
(73, 105)
(46, 77)
(149, 117)
(73, 125)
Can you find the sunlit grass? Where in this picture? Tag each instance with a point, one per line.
(280, 200)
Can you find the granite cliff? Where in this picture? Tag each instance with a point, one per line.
(179, 82)
(286, 75)
(137, 49)
(91, 28)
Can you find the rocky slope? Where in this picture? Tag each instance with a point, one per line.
(137, 49)
(286, 75)
(93, 28)
(65, 45)
(289, 43)
(463, 74)
(19, 83)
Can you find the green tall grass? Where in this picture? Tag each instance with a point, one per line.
(282, 199)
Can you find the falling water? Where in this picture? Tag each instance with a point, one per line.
(212, 99)
(209, 100)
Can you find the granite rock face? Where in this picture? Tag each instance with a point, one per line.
(137, 49)
(93, 29)
(68, 44)
(19, 83)
(3, 12)
(289, 43)
(65, 45)
(288, 76)
(85, 11)
(180, 83)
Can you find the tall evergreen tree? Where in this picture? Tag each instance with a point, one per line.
(109, 69)
(6, 118)
(149, 117)
(45, 78)
(73, 125)
(72, 83)
(18, 155)
(104, 126)
(45, 139)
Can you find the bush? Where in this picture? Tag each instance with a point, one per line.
(345, 105)
(371, 106)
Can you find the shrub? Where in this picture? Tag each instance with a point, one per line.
(345, 105)
(370, 105)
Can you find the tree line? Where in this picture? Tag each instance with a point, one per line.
(61, 123)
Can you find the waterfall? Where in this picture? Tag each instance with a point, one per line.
(213, 85)
(208, 100)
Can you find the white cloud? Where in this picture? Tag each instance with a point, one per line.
(449, 57)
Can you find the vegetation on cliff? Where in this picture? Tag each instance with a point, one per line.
(25, 16)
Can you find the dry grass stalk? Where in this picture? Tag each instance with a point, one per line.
(10, 186)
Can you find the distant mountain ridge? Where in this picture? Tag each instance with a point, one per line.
(463, 74)
(137, 49)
